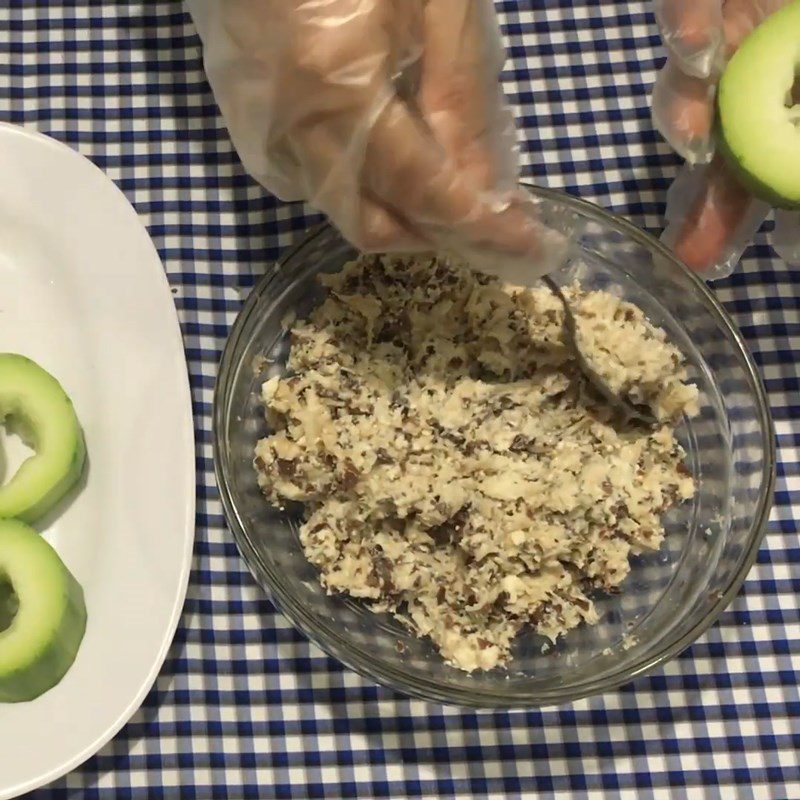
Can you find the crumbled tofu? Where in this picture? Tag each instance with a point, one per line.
(456, 469)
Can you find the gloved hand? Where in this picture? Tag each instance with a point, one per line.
(387, 115)
(711, 217)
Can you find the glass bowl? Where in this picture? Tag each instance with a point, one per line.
(669, 598)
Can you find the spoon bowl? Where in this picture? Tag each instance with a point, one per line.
(627, 409)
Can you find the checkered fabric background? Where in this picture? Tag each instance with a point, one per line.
(244, 706)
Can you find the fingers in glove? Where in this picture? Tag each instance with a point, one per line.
(451, 187)
(683, 113)
(459, 94)
(379, 230)
(711, 218)
(405, 21)
(692, 31)
(701, 35)
(741, 17)
(409, 172)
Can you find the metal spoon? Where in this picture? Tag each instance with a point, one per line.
(630, 411)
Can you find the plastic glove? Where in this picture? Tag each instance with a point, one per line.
(387, 115)
(711, 217)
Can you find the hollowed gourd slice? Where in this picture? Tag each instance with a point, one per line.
(41, 411)
(42, 614)
(759, 109)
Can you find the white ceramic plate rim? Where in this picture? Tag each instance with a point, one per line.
(8, 135)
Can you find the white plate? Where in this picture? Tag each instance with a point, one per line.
(83, 292)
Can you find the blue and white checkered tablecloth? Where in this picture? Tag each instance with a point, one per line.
(245, 706)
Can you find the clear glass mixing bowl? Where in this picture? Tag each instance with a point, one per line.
(670, 597)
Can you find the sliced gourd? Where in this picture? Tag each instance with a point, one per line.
(41, 411)
(759, 109)
(42, 614)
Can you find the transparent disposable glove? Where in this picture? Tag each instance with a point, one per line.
(387, 115)
(711, 217)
